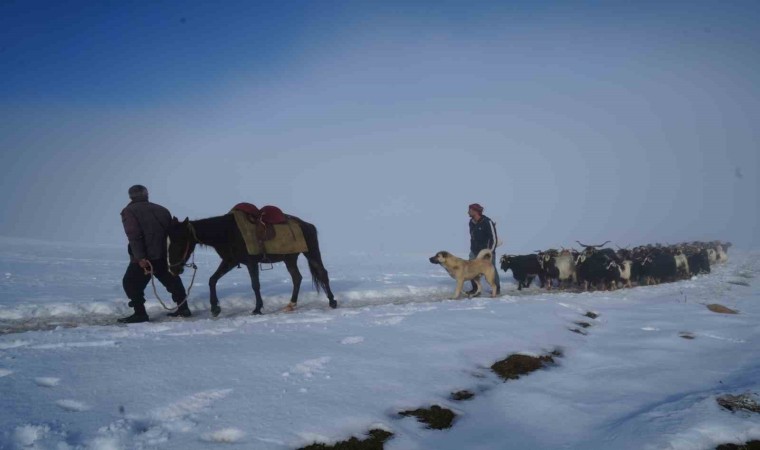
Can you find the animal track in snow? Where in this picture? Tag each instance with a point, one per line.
(225, 436)
(26, 436)
(75, 345)
(468, 308)
(155, 428)
(308, 320)
(72, 405)
(309, 367)
(203, 332)
(721, 338)
(189, 405)
(390, 320)
(13, 344)
(47, 382)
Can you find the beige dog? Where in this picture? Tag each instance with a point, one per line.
(463, 270)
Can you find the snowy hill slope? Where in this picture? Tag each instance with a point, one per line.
(281, 381)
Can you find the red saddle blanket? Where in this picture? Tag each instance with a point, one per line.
(270, 215)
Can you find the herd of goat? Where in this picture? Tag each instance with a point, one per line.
(604, 268)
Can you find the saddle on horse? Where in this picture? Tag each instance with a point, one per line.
(264, 220)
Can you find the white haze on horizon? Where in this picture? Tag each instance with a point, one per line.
(382, 136)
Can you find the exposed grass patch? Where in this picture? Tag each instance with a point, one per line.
(720, 309)
(435, 417)
(461, 396)
(516, 366)
(752, 445)
(375, 441)
(744, 402)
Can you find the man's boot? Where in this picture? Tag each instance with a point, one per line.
(182, 311)
(139, 316)
(472, 291)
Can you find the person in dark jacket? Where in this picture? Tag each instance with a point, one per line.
(146, 226)
(482, 236)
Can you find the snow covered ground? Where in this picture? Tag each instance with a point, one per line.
(69, 379)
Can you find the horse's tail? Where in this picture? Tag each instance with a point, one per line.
(314, 257)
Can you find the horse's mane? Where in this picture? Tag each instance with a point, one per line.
(215, 230)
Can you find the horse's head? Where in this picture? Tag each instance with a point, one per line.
(181, 245)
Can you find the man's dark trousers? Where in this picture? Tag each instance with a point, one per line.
(135, 281)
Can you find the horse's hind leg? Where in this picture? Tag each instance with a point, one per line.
(224, 267)
(253, 271)
(320, 276)
(291, 263)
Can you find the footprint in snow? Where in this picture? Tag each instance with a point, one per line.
(47, 382)
(72, 405)
(390, 321)
(352, 340)
(225, 436)
(13, 344)
(68, 345)
(26, 436)
(189, 405)
(310, 367)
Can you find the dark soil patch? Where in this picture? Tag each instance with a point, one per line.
(720, 309)
(375, 441)
(744, 402)
(435, 417)
(686, 335)
(753, 445)
(591, 315)
(515, 366)
(583, 324)
(578, 331)
(462, 396)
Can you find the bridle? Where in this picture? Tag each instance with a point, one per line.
(183, 262)
(149, 271)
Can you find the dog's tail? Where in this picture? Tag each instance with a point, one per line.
(486, 254)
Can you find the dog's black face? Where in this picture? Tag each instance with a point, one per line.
(439, 257)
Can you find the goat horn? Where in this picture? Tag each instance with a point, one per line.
(594, 246)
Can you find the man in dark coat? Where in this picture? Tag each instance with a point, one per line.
(482, 236)
(146, 226)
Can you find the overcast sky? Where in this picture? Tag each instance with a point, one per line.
(380, 122)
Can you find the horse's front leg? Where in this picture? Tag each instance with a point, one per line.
(292, 265)
(253, 271)
(223, 269)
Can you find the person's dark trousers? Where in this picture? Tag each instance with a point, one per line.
(474, 288)
(135, 281)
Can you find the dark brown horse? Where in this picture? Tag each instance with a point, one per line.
(223, 235)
